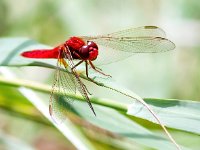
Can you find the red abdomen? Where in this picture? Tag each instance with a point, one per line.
(41, 53)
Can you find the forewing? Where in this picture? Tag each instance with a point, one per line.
(59, 104)
(125, 43)
(145, 31)
(137, 44)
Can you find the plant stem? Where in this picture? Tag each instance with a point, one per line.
(47, 89)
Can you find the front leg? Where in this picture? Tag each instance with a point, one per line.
(77, 64)
(92, 80)
(99, 71)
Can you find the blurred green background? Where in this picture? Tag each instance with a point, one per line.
(173, 74)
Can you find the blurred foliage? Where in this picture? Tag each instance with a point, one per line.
(188, 85)
(190, 9)
(3, 15)
(42, 22)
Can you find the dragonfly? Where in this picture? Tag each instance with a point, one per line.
(85, 49)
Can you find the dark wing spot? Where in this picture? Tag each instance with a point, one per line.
(150, 27)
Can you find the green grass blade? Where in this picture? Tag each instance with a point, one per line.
(178, 114)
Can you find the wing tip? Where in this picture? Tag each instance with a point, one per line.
(91, 107)
(94, 113)
(50, 110)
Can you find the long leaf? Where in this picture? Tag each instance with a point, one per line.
(178, 114)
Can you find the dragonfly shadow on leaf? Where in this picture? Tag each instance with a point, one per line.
(162, 103)
(64, 105)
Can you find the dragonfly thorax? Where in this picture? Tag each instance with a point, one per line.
(81, 50)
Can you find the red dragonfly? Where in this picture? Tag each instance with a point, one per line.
(146, 39)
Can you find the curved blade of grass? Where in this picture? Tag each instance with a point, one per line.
(178, 114)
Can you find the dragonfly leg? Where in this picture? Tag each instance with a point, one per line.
(97, 83)
(92, 80)
(87, 74)
(98, 68)
(99, 71)
(87, 89)
(86, 67)
(77, 64)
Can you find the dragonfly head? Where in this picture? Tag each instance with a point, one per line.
(89, 51)
(93, 50)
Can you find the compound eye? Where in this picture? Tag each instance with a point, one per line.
(84, 51)
(92, 44)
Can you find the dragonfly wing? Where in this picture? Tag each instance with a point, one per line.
(112, 49)
(79, 84)
(145, 31)
(109, 55)
(59, 104)
(137, 44)
(125, 43)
